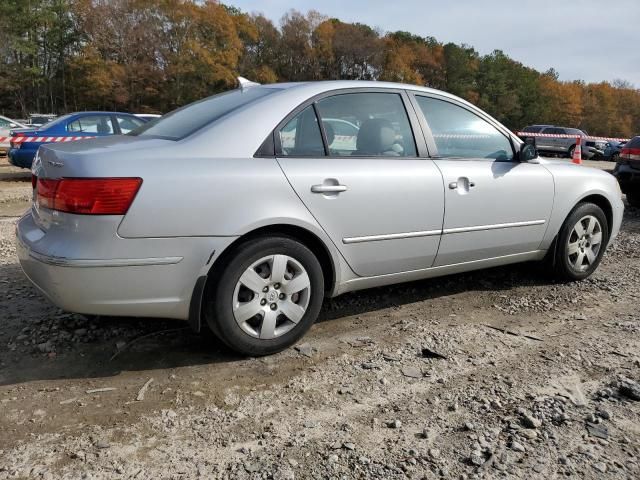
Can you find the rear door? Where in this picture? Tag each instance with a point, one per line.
(494, 205)
(552, 144)
(359, 173)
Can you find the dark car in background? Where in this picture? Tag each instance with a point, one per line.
(627, 171)
(560, 145)
(612, 150)
(74, 126)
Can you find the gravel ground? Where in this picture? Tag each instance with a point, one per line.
(495, 374)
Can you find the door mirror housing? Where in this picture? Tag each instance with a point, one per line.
(13, 125)
(527, 152)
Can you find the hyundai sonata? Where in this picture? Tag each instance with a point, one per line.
(242, 211)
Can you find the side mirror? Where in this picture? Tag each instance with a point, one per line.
(527, 152)
(13, 125)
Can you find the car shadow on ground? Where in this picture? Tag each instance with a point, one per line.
(40, 342)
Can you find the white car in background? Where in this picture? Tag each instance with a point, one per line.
(6, 124)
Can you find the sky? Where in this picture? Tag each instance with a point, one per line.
(591, 40)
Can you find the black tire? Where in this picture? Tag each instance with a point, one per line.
(634, 199)
(218, 309)
(562, 266)
(571, 150)
(614, 157)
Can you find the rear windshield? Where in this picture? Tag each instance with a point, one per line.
(633, 143)
(186, 120)
(55, 122)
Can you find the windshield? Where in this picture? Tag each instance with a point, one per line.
(186, 120)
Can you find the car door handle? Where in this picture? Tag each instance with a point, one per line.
(463, 182)
(328, 188)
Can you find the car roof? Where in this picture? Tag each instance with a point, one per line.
(101, 113)
(329, 85)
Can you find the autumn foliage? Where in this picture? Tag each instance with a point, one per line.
(155, 55)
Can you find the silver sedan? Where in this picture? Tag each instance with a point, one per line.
(242, 211)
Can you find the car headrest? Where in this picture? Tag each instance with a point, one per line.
(376, 136)
(103, 127)
(330, 132)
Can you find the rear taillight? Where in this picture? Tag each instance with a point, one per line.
(88, 196)
(15, 142)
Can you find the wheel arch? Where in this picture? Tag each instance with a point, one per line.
(602, 202)
(205, 283)
(597, 199)
(305, 236)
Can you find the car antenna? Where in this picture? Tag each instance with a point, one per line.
(244, 83)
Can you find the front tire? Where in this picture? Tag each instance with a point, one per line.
(268, 295)
(581, 242)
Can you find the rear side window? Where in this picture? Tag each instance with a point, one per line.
(191, 118)
(301, 136)
(554, 131)
(91, 124)
(459, 133)
(532, 129)
(367, 124)
(127, 123)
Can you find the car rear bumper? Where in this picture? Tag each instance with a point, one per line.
(21, 158)
(628, 178)
(145, 286)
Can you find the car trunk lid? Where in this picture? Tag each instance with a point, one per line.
(87, 177)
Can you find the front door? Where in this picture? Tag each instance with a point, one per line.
(381, 205)
(495, 206)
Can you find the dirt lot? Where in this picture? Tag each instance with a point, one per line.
(539, 380)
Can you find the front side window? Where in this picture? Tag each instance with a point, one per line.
(301, 136)
(127, 124)
(367, 124)
(459, 133)
(92, 124)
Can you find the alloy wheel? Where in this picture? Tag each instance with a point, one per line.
(271, 297)
(584, 244)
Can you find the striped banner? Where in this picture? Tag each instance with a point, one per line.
(45, 139)
(557, 135)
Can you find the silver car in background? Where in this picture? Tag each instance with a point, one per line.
(244, 210)
(6, 125)
(565, 143)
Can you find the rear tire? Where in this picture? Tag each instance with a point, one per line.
(571, 150)
(267, 296)
(634, 199)
(581, 242)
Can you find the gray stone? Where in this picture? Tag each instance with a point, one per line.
(411, 372)
(530, 421)
(305, 349)
(516, 447)
(600, 466)
(394, 424)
